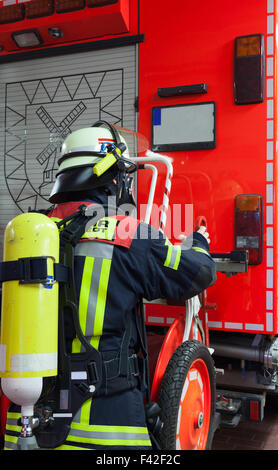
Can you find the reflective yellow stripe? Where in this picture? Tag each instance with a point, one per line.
(93, 294)
(169, 256)
(84, 299)
(109, 435)
(101, 301)
(12, 427)
(85, 412)
(173, 256)
(13, 415)
(95, 341)
(111, 442)
(76, 346)
(82, 432)
(200, 250)
(11, 438)
(11, 423)
(85, 291)
(169, 252)
(178, 257)
(65, 447)
(109, 428)
(10, 442)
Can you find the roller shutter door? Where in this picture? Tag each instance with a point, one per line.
(42, 101)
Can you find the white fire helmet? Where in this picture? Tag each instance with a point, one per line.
(90, 158)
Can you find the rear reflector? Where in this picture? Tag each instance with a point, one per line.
(249, 225)
(254, 410)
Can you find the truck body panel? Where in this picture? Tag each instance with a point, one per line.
(111, 62)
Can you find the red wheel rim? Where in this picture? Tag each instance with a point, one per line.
(194, 410)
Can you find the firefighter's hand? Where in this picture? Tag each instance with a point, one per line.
(202, 230)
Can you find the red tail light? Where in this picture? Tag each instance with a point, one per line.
(249, 69)
(249, 226)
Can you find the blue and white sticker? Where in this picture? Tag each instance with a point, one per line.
(49, 283)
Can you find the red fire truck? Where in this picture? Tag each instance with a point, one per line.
(199, 81)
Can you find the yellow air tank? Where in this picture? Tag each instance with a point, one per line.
(29, 314)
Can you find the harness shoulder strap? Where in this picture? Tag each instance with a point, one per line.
(103, 374)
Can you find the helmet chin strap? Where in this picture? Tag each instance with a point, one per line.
(126, 196)
(119, 185)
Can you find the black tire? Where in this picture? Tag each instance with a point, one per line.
(187, 358)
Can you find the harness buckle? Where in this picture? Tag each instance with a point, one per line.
(134, 364)
(26, 265)
(93, 375)
(29, 266)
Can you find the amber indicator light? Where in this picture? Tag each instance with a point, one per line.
(248, 46)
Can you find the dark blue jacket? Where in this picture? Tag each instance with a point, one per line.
(120, 261)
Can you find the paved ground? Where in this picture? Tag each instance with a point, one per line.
(250, 435)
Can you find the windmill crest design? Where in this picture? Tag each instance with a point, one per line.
(58, 133)
(39, 115)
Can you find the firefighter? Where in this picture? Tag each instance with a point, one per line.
(118, 262)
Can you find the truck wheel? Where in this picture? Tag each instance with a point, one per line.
(187, 399)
